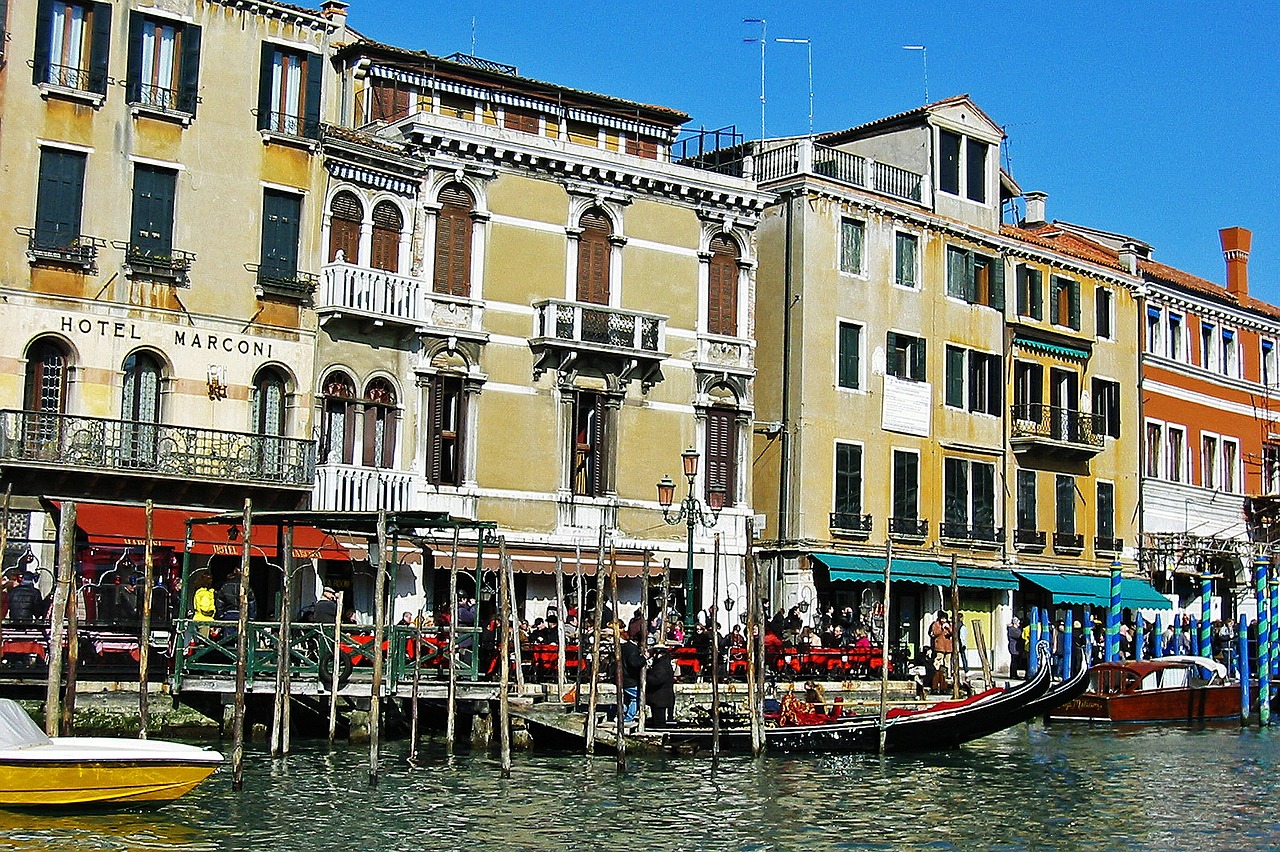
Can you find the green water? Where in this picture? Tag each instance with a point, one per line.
(1028, 788)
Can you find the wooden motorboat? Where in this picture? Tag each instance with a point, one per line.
(38, 771)
(1167, 689)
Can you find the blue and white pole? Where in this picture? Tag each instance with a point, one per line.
(1139, 636)
(1273, 623)
(1157, 644)
(1206, 615)
(1068, 646)
(1033, 659)
(1242, 643)
(1264, 640)
(1113, 615)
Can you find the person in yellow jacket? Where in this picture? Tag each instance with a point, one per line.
(205, 607)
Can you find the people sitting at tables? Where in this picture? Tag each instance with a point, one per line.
(736, 639)
(861, 639)
(808, 639)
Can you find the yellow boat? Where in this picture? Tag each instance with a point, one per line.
(40, 771)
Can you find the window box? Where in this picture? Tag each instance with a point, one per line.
(906, 529)
(79, 251)
(288, 284)
(1107, 544)
(851, 524)
(174, 267)
(1029, 539)
(1068, 543)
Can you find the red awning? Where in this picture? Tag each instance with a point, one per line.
(126, 526)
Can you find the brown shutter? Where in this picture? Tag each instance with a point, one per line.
(722, 288)
(387, 225)
(593, 259)
(435, 414)
(721, 452)
(344, 227)
(453, 242)
(520, 119)
(371, 435)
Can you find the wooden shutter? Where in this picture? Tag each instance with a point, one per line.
(995, 384)
(892, 355)
(522, 120)
(905, 484)
(593, 259)
(133, 63)
(1106, 510)
(721, 452)
(44, 37)
(372, 414)
(955, 377)
(153, 197)
(848, 368)
(435, 424)
(280, 214)
(848, 479)
(1024, 296)
(100, 47)
(1073, 288)
(1027, 519)
(1036, 283)
(311, 103)
(265, 86)
(955, 488)
(957, 270)
(722, 288)
(345, 215)
(59, 197)
(1065, 500)
(387, 225)
(453, 242)
(917, 359)
(995, 270)
(983, 486)
(189, 72)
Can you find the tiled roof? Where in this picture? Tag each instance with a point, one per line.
(359, 137)
(836, 137)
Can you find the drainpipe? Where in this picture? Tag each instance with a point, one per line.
(784, 470)
(1129, 259)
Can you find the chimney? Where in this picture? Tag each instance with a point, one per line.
(335, 10)
(1130, 251)
(1035, 208)
(1235, 249)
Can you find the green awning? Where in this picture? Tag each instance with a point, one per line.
(1095, 589)
(847, 567)
(1051, 348)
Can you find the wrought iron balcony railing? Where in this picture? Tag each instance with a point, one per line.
(289, 124)
(124, 446)
(1029, 538)
(851, 523)
(72, 77)
(598, 325)
(1068, 542)
(1108, 544)
(1063, 425)
(285, 283)
(59, 247)
(172, 266)
(969, 532)
(908, 528)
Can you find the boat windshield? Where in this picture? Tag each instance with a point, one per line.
(16, 728)
(1175, 677)
(1151, 680)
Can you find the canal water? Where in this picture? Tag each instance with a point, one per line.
(1060, 788)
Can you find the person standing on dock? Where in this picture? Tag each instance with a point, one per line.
(326, 609)
(660, 689)
(940, 639)
(631, 658)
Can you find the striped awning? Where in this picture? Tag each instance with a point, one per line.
(848, 567)
(1055, 349)
(1095, 589)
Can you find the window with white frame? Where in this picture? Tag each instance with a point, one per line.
(1175, 337)
(1229, 360)
(974, 381)
(1154, 450)
(1230, 465)
(1271, 468)
(1155, 338)
(853, 236)
(906, 259)
(849, 356)
(1176, 457)
(1209, 463)
(962, 165)
(1208, 345)
(1267, 363)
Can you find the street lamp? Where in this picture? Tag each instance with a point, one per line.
(692, 514)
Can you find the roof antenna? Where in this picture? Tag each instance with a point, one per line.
(473, 35)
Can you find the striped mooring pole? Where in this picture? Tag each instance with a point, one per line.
(1242, 643)
(1206, 615)
(1273, 624)
(1033, 640)
(1264, 640)
(1139, 636)
(1113, 615)
(1157, 644)
(1068, 646)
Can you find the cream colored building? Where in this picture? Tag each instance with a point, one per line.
(527, 312)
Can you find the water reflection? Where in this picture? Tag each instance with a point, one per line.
(1029, 788)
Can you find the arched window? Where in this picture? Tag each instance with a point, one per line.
(345, 216)
(380, 417)
(268, 403)
(46, 381)
(387, 225)
(593, 258)
(338, 421)
(722, 287)
(453, 241)
(140, 409)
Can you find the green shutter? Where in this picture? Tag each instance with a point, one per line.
(955, 377)
(995, 384)
(1020, 279)
(133, 77)
(189, 74)
(984, 495)
(996, 272)
(1035, 283)
(153, 192)
(59, 197)
(955, 487)
(917, 359)
(1065, 494)
(848, 479)
(311, 112)
(906, 468)
(957, 268)
(848, 356)
(1074, 319)
(1106, 510)
(44, 36)
(265, 87)
(1027, 519)
(100, 48)
(891, 365)
(280, 228)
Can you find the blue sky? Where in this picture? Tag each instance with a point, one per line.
(1152, 119)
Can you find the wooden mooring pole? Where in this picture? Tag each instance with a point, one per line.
(596, 623)
(755, 645)
(4, 546)
(144, 637)
(242, 652)
(280, 716)
(73, 654)
(884, 645)
(335, 668)
(451, 722)
(620, 698)
(504, 657)
(62, 582)
(385, 556)
(715, 652)
(643, 698)
(560, 626)
(956, 623)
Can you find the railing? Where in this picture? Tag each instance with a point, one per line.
(1108, 544)
(1068, 425)
(908, 527)
(595, 324)
(374, 291)
(1029, 538)
(350, 488)
(63, 440)
(777, 162)
(289, 124)
(850, 522)
(173, 265)
(1068, 542)
(285, 283)
(74, 249)
(72, 77)
(892, 180)
(840, 165)
(974, 533)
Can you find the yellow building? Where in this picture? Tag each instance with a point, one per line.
(527, 312)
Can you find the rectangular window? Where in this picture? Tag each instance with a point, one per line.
(1106, 406)
(852, 239)
(1267, 363)
(289, 92)
(968, 499)
(849, 364)
(722, 453)
(1103, 313)
(1209, 474)
(1065, 504)
(1208, 345)
(906, 485)
(59, 199)
(1106, 510)
(986, 383)
(445, 406)
(1176, 457)
(976, 278)
(1066, 302)
(1230, 466)
(389, 100)
(1270, 469)
(955, 499)
(955, 376)
(949, 162)
(1154, 451)
(1028, 518)
(976, 170)
(904, 356)
(523, 120)
(1154, 336)
(906, 248)
(1028, 391)
(848, 499)
(72, 46)
(457, 106)
(153, 198)
(1030, 292)
(164, 63)
(588, 444)
(1174, 338)
(281, 218)
(1229, 363)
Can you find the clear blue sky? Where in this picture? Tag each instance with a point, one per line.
(1154, 119)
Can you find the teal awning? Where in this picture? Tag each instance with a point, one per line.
(1051, 348)
(1095, 589)
(842, 566)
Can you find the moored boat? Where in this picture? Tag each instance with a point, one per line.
(38, 771)
(1180, 689)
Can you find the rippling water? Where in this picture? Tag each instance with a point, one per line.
(1063, 788)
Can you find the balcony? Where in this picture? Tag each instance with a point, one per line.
(1033, 540)
(78, 250)
(351, 488)
(1107, 544)
(1071, 544)
(284, 283)
(850, 524)
(568, 335)
(908, 529)
(1056, 431)
(386, 298)
(718, 352)
(974, 535)
(65, 442)
(172, 266)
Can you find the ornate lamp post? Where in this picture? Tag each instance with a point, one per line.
(692, 514)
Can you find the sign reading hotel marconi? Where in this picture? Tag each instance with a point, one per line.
(188, 338)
